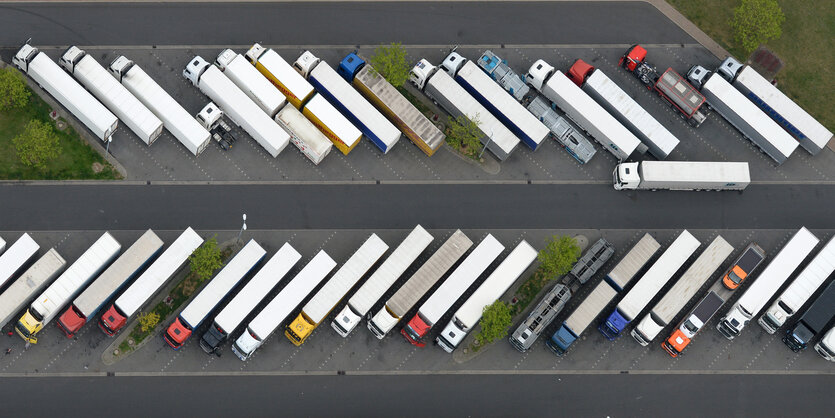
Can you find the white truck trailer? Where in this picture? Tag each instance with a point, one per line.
(744, 115)
(30, 283)
(67, 91)
(800, 290)
(115, 96)
(214, 293)
(249, 297)
(424, 278)
(811, 134)
(150, 282)
(660, 141)
(451, 290)
(109, 283)
(174, 117)
(250, 81)
(237, 105)
(282, 304)
(18, 255)
(450, 96)
(681, 175)
(583, 110)
(496, 100)
(468, 315)
(323, 302)
(353, 106)
(48, 305)
(312, 143)
(682, 291)
(769, 281)
(383, 278)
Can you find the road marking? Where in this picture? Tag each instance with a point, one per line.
(443, 47)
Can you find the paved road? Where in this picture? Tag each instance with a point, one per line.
(493, 206)
(299, 23)
(428, 395)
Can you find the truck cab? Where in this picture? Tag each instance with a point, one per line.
(306, 63)
(71, 321)
(452, 63)
(112, 321)
(195, 69)
(177, 334)
(225, 58)
(676, 343)
(29, 325)
(826, 346)
(579, 72)
(798, 337)
(613, 325)
(346, 321)
(382, 323)
(254, 53)
(421, 73)
(452, 335)
(538, 73)
(634, 57)
(750, 259)
(299, 329)
(561, 340)
(349, 66)
(120, 66)
(729, 69)
(698, 75)
(731, 324)
(648, 326)
(626, 176)
(212, 339)
(246, 344)
(24, 56)
(415, 330)
(71, 57)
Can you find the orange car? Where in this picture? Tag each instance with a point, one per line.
(744, 266)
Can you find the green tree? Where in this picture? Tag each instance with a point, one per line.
(464, 134)
(206, 259)
(148, 321)
(559, 254)
(13, 91)
(495, 322)
(37, 145)
(757, 21)
(390, 61)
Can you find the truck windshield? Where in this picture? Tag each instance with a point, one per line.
(734, 278)
(22, 330)
(690, 326)
(35, 314)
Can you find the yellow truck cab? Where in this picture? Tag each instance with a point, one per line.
(28, 326)
(300, 329)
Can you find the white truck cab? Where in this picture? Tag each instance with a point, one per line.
(71, 57)
(194, 69)
(209, 116)
(452, 63)
(382, 323)
(691, 326)
(538, 73)
(245, 345)
(120, 66)
(421, 73)
(697, 75)
(24, 56)
(826, 346)
(729, 69)
(345, 322)
(306, 63)
(626, 176)
(452, 335)
(733, 322)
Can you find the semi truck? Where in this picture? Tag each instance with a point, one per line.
(605, 291)
(214, 293)
(769, 281)
(443, 259)
(31, 282)
(496, 100)
(383, 278)
(468, 315)
(660, 141)
(681, 175)
(349, 102)
(450, 96)
(109, 283)
(826, 346)
(743, 115)
(540, 317)
(661, 272)
(501, 73)
(402, 113)
(48, 305)
(234, 313)
(312, 143)
(800, 290)
(300, 93)
(670, 85)
(322, 303)
(115, 96)
(237, 105)
(583, 110)
(813, 320)
(431, 311)
(174, 117)
(149, 282)
(570, 138)
(211, 118)
(250, 81)
(100, 121)
(282, 304)
(746, 264)
(682, 291)
(810, 133)
(17, 257)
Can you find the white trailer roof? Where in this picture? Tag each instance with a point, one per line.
(345, 278)
(2, 245)
(32, 281)
(397, 262)
(695, 171)
(174, 117)
(306, 136)
(164, 267)
(811, 278)
(292, 295)
(235, 270)
(18, 255)
(429, 273)
(591, 306)
(778, 271)
(461, 279)
(257, 289)
(297, 88)
(335, 121)
(250, 81)
(633, 261)
(120, 272)
(81, 272)
(497, 283)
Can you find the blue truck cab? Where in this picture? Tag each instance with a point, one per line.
(561, 340)
(349, 66)
(613, 325)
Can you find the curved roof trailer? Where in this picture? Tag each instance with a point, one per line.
(67, 91)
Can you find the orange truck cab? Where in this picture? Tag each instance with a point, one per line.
(112, 321)
(750, 259)
(676, 343)
(177, 334)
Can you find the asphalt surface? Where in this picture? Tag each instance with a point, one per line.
(388, 206)
(442, 23)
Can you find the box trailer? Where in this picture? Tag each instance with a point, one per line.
(564, 131)
(17, 257)
(115, 96)
(282, 304)
(125, 268)
(48, 305)
(30, 283)
(234, 313)
(443, 259)
(100, 121)
(681, 175)
(813, 321)
(150, 282)
(250, 81)
(323, 302)
(312, 143)
(383, 278)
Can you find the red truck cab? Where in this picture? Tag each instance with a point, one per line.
(633, 57)
(112, 321)
(177, 334)
(415, 330)
(579, 72)
(71, 321)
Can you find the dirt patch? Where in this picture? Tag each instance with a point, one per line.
(98, 167)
